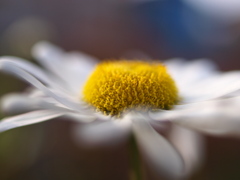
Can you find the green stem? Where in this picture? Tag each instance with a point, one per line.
(135, 162)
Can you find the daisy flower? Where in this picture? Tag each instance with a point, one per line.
(164, 106)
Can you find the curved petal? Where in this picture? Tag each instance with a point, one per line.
(213, 87)
(73, 67)
(18, 103)
(15, 103)
(190, 145)
(218, 117)
(198, 80)
(187, 73)
(79, 66)
(21, 103)
(160, 155)
(48, 55)
(27, 119)
(60, 97)
(31, 68)
(108, 133)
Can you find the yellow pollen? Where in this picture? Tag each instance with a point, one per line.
(116, 86)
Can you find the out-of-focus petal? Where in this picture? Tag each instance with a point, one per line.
(218, 117)
(49, 56)
(79, 66)
(67, 66)
(18, 103)
(159, 154)
(214, 87)
(21, 103)
(109, 133)
(27, 119)
(190, 145)
(58, 96)
(187, 73)
(82, 118)
(199, 80)
(33, 69)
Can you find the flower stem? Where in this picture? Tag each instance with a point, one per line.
(135, 172)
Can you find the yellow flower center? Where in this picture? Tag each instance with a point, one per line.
(116, 86)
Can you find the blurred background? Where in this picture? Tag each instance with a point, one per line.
(107, 29)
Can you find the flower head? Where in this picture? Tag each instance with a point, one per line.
(130, 96)
(119, 85)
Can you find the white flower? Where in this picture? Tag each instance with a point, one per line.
(208, 104)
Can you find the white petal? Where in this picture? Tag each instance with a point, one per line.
(27, 119)
(160, 155)
(214, 87)
(108, 133)
(198, 69)
(187, 73)
(18, 103)
(21, 103)
(58, 96)
(48, 55)
(190, 145)
(31, 68)
(78, 66)
(219, 117)
(73, 68)
(82, 118)
(198, 80)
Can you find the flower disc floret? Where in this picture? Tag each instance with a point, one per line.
(115, 86)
